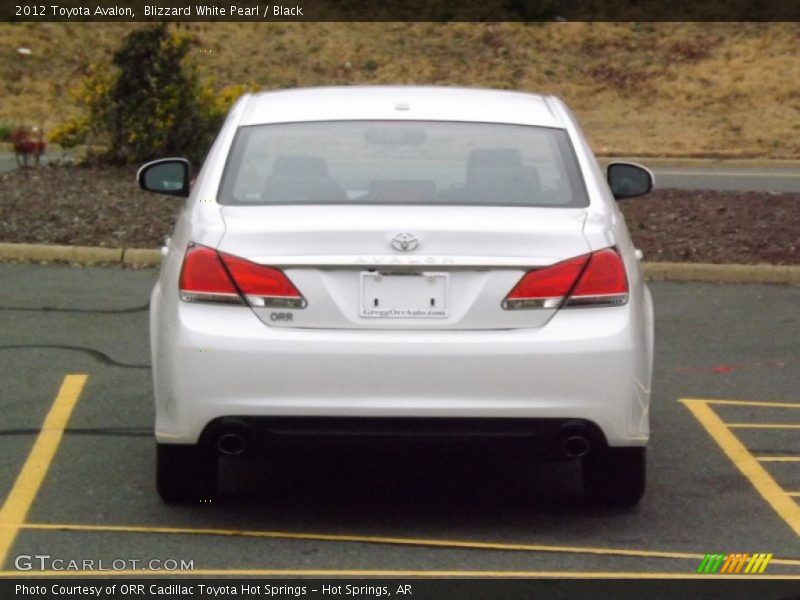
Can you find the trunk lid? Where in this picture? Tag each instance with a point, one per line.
(403, 267)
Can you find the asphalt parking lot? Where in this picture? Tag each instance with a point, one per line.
(77, 458)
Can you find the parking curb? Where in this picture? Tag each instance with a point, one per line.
(727, 273)
(145, 257)
(83, 255)
(141, 257)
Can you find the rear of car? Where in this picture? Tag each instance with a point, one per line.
(401, 261)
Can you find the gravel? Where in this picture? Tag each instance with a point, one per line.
(716, 227)
(95, 206)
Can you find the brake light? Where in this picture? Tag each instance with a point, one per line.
(596, 279)
(204, 278)
(603, 282)
(546, 288)
(211, 276)
(263, 286)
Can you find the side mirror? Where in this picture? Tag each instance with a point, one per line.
(168, 176)
(628, 180)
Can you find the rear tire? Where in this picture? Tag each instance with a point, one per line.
(185, 473)
(615, 477)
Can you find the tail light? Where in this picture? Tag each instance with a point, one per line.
(263, 286)
(211, 276)
(596, 279)
(603, 282)
(204, 278)
(546, 288)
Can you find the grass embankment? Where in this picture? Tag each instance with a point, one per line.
(639, 88)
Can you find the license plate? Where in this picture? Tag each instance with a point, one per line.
(404, 296)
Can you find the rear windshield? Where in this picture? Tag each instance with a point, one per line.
(402, 162)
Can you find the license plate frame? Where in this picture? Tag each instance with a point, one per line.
(416, 295)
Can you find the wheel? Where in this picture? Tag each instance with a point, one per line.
(615, 477)
(185, 473)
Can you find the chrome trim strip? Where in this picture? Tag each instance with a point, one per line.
(393, 260)
(532, 303)
(597, 300)
(276, 301)
(189, 296)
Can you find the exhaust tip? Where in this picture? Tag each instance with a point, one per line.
(231, 444)
(575, 446)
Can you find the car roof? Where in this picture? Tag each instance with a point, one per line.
(421, 103)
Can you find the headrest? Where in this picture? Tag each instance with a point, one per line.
(505, 185)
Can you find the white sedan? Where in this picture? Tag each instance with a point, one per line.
(422, 261)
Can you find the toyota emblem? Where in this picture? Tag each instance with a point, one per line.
(405, 242)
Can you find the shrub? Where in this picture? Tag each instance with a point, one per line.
(148, 104)
(71, 133)
(5, 132)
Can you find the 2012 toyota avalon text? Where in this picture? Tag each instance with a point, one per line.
(401, 261)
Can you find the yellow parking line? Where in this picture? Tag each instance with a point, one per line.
(22, 495)
(391, 573)
(762, 425)
(749, 403)
(397, 541)
(746, 463)
(778, 458)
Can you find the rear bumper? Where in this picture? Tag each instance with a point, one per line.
(217, 361)
(545, 438)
